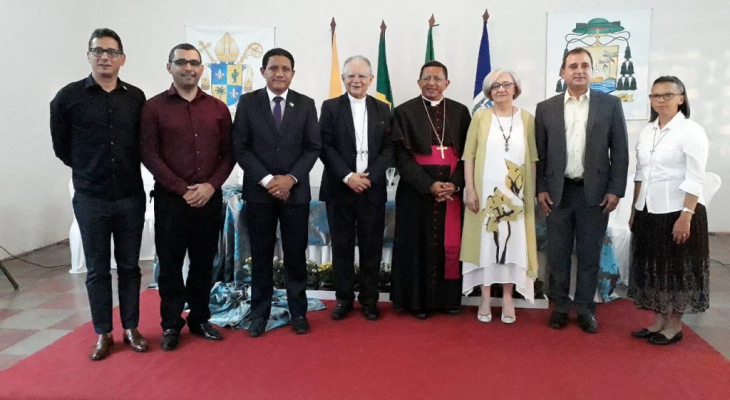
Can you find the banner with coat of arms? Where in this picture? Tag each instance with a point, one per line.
(618, 41)
(232, 58)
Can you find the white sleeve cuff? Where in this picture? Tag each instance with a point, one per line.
(265, 181)
(691, 187)
(347, 177)
(295, 178)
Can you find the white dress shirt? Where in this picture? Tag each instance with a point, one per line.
(576, 118)
(272, 103)
(265, 180)
(674, 168)
(360, 120)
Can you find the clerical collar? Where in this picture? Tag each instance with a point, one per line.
(355, 100)
(433, 103)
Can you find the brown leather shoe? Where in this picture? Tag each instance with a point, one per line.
(135, 340)
(103, 347)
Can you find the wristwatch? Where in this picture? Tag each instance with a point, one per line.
(687, 210)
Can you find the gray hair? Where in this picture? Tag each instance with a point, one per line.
(357, 58)
(491, 79)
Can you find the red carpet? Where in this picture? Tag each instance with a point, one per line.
(398, 357)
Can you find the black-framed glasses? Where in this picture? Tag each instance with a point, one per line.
(181, 62)
(664, 96)
(505, 85)
(111, 53)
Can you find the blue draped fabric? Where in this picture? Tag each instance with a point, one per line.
(235, 247)
(608, 275)
(230, 305)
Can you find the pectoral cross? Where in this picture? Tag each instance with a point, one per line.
(442, 148)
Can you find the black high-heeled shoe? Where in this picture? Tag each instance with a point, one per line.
(643, 334)
(661, 340)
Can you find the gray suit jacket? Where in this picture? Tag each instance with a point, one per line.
(606, 160)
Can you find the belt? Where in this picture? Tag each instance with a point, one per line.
(574, 182)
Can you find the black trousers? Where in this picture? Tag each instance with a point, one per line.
(180, 228)
(365, 221)
(262, 220)
(100, 220)
(574, 221)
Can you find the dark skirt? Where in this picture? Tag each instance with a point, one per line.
(665, 276)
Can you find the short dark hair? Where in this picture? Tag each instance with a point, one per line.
(576, 50)
(183, 46)
(684, 107)
(277, 52)
(434, 63)
(105, 32)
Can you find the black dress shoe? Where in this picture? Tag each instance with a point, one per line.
(588, 323)
(341, 310)
(103, 347)
(661, 340)
(170, 339)
(643, 334)
(257, 327)
(135, 340)
(371, 312)
(453, 311)
(301, 326)
(206, 330)
(422, 314)
(558, 320)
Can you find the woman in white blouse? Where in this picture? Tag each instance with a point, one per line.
(669, 246)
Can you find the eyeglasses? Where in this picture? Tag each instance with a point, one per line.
(358, 77)
(505, 85)
(181, 62)
(664, 96)
(436, 79)
(111, 53)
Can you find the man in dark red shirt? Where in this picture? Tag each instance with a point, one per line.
(186, 145)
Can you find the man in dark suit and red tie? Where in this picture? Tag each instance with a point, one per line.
(276, 143)
(356, 151)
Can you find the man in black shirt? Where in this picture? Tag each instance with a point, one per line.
(95, 131)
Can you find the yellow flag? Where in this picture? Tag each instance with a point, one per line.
(335, 78)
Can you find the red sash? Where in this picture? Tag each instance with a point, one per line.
(452, 228)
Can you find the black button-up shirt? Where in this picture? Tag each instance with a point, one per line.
(96, 133)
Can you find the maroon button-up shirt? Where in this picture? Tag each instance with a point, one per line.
(186, 142)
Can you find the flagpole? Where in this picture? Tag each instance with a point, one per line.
(335, 78)
(484, 66)
(430, 56)
(383, 89)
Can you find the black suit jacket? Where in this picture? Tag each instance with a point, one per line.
(606, 159)
(339, 149)
(260, 149)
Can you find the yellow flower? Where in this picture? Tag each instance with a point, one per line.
(514, 180)
(497, 213)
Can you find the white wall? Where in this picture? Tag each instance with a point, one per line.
(44, 44)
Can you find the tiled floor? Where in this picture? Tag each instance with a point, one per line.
(53, 302)
(50, 304)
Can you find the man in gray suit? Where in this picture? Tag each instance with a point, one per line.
(582, 144)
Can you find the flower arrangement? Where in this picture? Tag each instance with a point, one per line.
(326, 276)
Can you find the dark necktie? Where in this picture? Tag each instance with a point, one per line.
(277, 110)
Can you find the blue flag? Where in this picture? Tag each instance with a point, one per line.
(484, 66)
